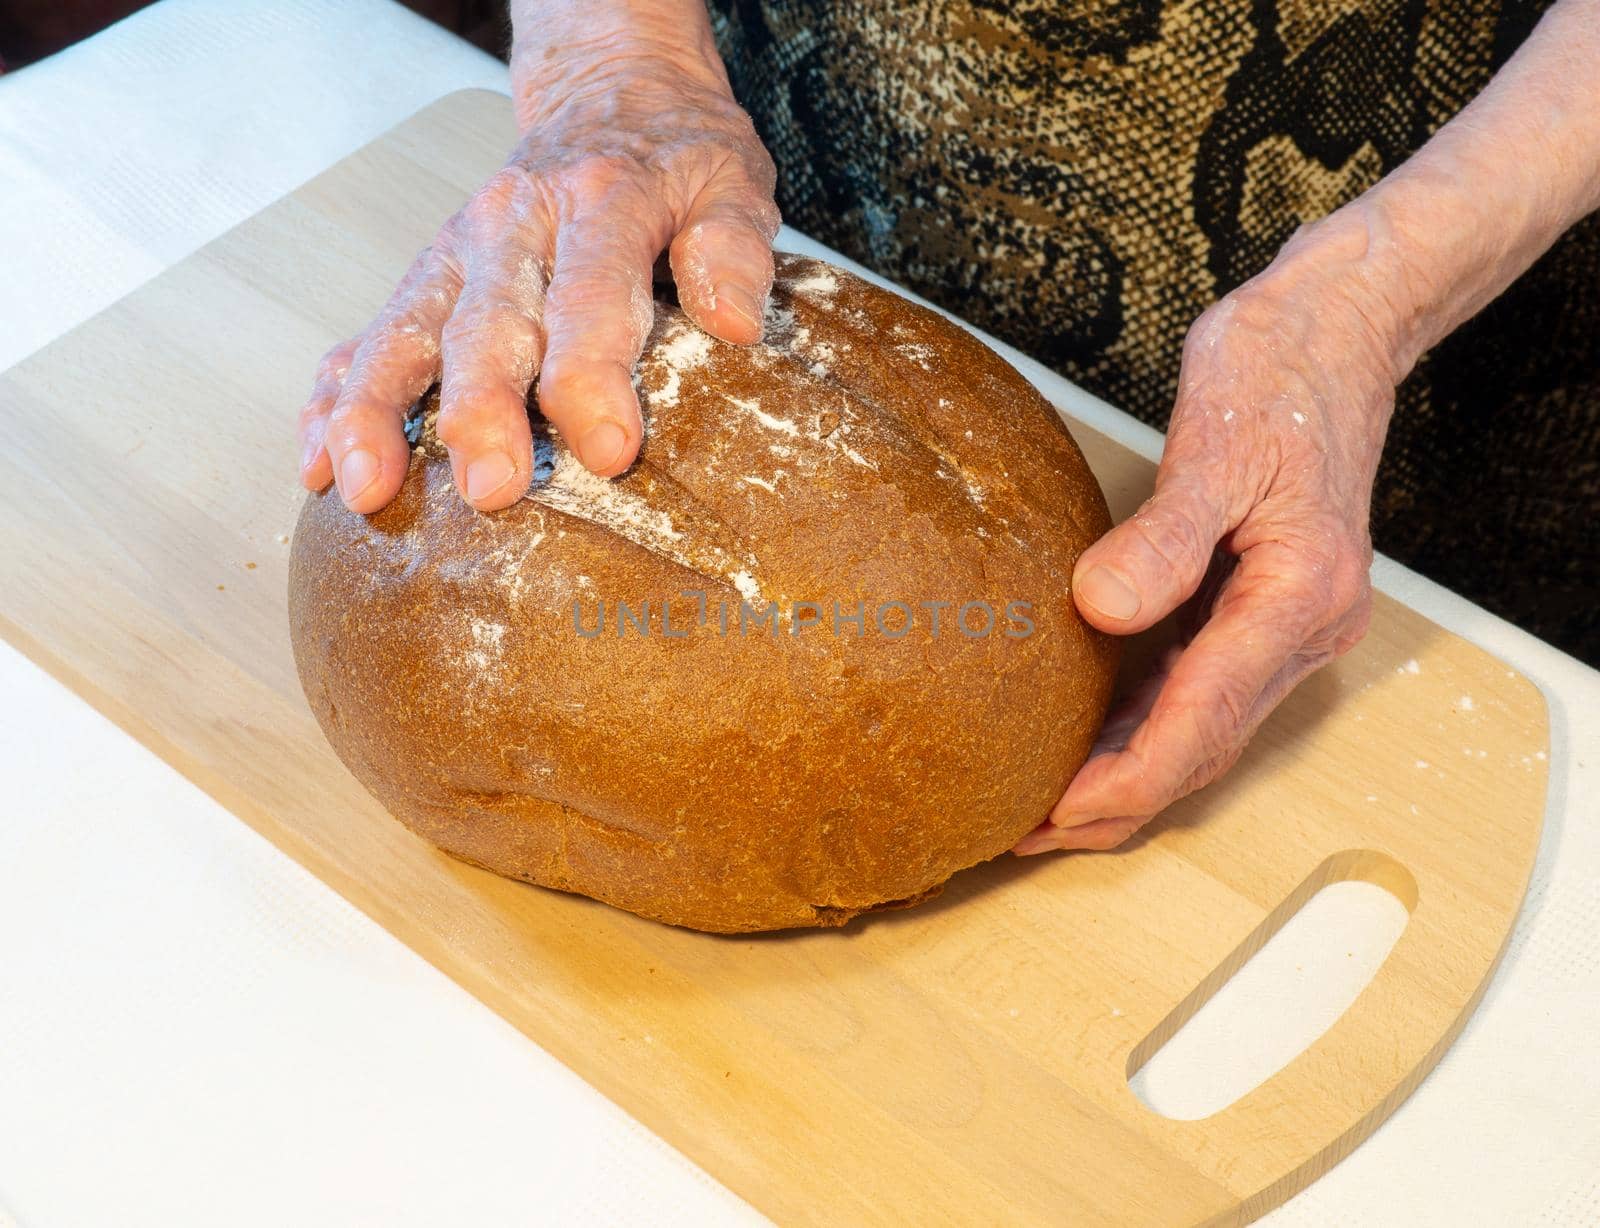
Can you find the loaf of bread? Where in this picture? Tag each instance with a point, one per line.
(812, 654)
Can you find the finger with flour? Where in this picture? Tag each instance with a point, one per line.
(1276, 618)
(722, 257)
(600, 311)
(316, 471)
(494, 342)
(393, 364)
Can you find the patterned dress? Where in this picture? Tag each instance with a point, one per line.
(1082, 178)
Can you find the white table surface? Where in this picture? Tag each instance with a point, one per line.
(220, 1038)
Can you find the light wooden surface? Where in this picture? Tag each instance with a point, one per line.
(964, 1062)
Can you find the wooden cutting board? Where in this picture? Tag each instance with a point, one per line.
(962, 1062)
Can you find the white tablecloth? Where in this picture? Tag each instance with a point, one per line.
(194, 1030)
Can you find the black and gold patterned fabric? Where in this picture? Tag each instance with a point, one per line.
(1082, 178)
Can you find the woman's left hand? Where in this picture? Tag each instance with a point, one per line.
(1259, 520)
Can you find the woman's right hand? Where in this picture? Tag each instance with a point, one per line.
(631, 144)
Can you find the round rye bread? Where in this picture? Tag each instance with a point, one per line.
(812, 654)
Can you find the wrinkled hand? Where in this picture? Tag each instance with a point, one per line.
(1259, 521)
(628, 146)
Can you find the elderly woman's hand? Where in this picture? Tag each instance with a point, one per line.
(632, 143)
(1258, 520)
(1283, 401)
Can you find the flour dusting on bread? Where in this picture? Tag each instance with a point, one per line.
(682, 348)
(573, 489)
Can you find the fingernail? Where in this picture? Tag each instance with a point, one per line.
(309, 456)
(1109, 593)
(741, 302)
(488, 474)
(602, 444)
(357, 471)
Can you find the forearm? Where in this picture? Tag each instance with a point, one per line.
(559, 46)
(1447, 231)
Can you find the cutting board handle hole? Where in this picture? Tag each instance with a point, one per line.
(1279, 990)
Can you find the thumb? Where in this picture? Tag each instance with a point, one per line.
(1148, 565)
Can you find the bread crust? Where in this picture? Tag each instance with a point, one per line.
(866, 452)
